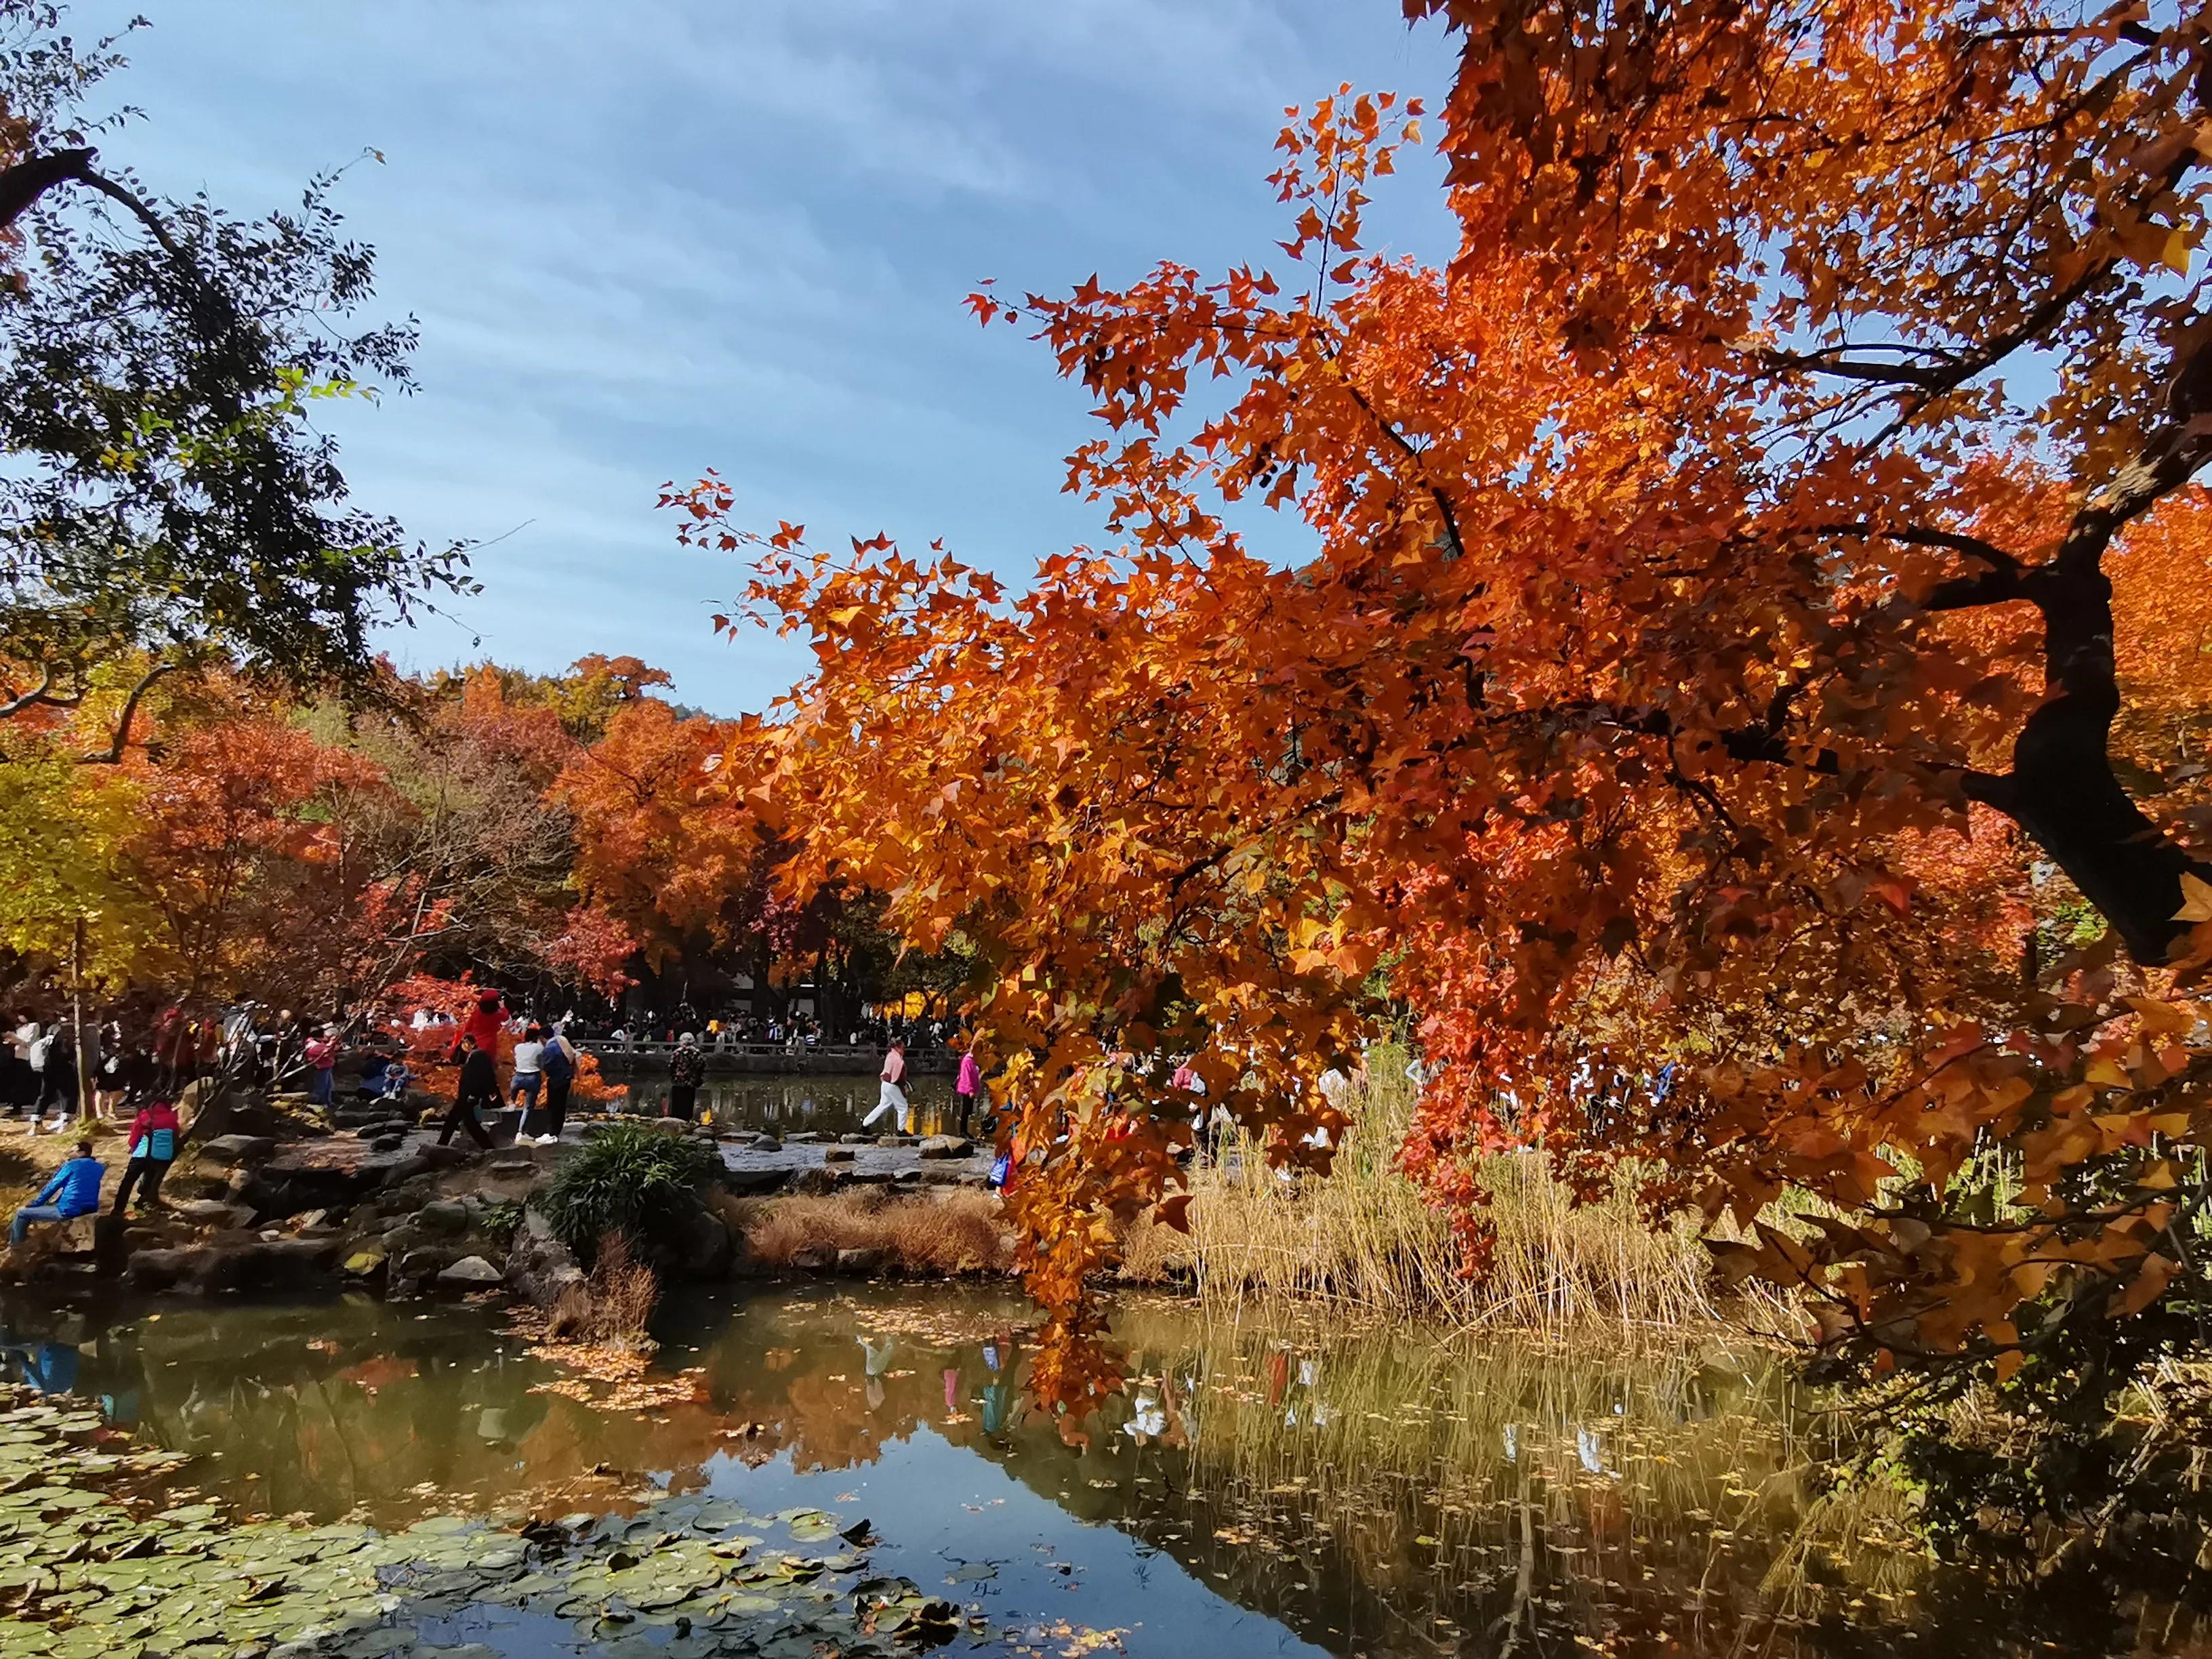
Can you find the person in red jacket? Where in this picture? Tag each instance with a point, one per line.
(484, 1024)
(153, 1146)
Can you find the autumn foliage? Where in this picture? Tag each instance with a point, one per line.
(1744, 702)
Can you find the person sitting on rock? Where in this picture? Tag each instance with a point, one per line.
(73, 1191)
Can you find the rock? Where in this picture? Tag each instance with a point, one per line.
(447, 1157)
(444, 1215)
(471, 1273)
(821, 1181)
(837, 1154)
(767, 1144)
(946, 1146)
(755, 1184)
(860, 1261)
(212, 1212)
(539, 1267)
(511, 1163)
(289, 1264)
(388, 1143)
(239, 1150)
(698, 1244)
(856, 1140)
(814, 1258)
(945, 1178)
(426, 1261)
(890, 1141)
(803, 1137)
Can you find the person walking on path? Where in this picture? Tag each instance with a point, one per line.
(153, 1148)
(685, 1068)
(322, 1056)
(891, 1097)
(559, 1065)
(73, 1191)
(479, 1084)
(57, 1075)
(967, 1085)
(529, 1073)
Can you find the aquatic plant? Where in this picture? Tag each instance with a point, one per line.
(94, 1572)
(1364, 1233)
(640, 1182)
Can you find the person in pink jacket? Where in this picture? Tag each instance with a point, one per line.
(891, 1097)
(966, 1085)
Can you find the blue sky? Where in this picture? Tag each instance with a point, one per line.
(646, 237)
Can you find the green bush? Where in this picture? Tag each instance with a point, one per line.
(626, 1179)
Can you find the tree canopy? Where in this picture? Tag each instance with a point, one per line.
(1705, 713)
(168, 495)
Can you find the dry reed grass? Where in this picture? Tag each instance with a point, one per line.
(949, 1232)
(612, 1306)
(1365, 1235)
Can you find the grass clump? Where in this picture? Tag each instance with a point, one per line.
(629, 1179)
(958, 1232)
(612, 1306)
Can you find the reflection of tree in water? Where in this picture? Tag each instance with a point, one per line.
(1379, 1494)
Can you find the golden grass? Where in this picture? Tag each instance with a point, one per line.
(950, 1232)
(612, 1306)
(1365, 1235)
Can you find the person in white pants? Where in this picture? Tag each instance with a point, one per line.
(891, 1097)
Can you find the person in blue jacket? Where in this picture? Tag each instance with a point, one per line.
(73, 1191)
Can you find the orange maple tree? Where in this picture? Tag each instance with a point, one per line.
(1698, 696)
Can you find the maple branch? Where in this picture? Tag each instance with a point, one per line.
(22, 184)
(121, 740)
(1923, 535)
(1411, 454)
(2062, 788)
(41, 696)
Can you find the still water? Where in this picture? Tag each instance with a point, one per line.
(1262, 1489)
(831, 1104)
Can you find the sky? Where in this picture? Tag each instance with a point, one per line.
(647, 238)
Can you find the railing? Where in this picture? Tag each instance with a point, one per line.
(862, 1057)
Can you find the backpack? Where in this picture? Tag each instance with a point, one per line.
(555, 1063)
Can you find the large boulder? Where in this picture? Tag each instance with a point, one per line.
(471, 1273)
(755, 1184)
(539, 1267)
(695, 1243)
(445, 1215)
(284, 1264)
(239, 1151)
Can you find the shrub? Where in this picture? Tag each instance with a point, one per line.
(627, 1179)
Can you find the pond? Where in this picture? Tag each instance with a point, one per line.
(1262, 1489)
(831, 1104)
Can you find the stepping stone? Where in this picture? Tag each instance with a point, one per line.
(946, 1146)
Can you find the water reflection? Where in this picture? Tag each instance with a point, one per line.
(1256, 1490)
(830, 1105)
